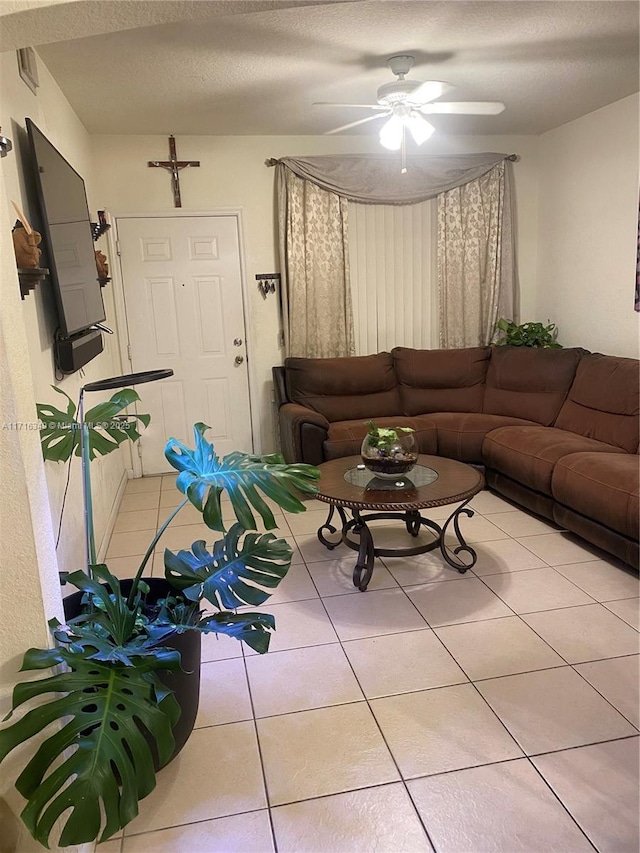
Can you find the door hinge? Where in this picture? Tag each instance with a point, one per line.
(118, 252)
(129, 353)
(139, 449)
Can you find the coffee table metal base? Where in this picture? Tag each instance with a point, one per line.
(367, 551)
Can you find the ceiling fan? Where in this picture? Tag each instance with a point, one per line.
(405, 103)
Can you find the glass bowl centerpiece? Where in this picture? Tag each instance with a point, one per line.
(389, 451)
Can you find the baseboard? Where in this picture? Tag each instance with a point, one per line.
(111, 523)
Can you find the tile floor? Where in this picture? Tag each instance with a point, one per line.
(491, 711)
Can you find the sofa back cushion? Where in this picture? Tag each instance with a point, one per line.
(603, 402)
(344, 388)
(523, 382)
(441, 380)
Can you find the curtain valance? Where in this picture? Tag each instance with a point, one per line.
(376, 178)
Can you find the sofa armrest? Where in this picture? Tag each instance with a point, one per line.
(302, 433)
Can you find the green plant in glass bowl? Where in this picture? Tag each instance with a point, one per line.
(389, 451)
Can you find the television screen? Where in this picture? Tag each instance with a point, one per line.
(67, 233)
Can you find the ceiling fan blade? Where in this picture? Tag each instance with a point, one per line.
(478, 108)
(364, 106)
(429, 91)
(354, 123)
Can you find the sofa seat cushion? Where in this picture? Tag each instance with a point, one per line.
(601, 486)
(345, 437)
(529, 454)
(460, 435)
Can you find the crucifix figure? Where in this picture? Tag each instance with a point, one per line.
(174, 165)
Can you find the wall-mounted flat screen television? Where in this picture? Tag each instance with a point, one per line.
(67, 234)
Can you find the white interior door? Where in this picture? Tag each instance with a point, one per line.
(183, 294)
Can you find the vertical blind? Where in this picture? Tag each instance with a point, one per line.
(392, 270)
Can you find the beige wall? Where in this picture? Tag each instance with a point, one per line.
(54, 116)
(587, 231)
(233, 175)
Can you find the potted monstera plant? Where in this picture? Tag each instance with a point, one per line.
(109, 692)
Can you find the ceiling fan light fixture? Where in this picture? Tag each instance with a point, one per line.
(419, 128)
(391, 133)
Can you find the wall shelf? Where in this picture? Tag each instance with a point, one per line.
(29, 278)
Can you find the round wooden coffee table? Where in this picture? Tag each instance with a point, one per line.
(347, 485)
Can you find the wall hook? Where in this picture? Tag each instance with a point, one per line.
(267, 282)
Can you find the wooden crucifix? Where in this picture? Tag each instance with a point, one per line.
(174, 165)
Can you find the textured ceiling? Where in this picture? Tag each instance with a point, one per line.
(259, 72)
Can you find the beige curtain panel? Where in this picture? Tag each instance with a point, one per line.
(475, 259)
(314, 269)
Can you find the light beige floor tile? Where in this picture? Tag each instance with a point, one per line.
(111, 846)
(183, 535)
(142, 500)
(126, 567)
(301, 679)
(627, 609)
(443, 729)
(298, 624)
(188, 790)
(169, 481)
(295, 586)
(453, 603)
(557, 549)
(309, 522)
(502, 807)
(313, 551)
(400, 663)
(143, 484)
(169, 499)
(519, 523)
(381, 819)
(477, 529)
(425, 568)
(536, 589)
(370, 614)
(497, 647)
(599, 786)
(335, 577)
(587, 633)
(127, 544)
(486, 503)
(552, 709)
(219, 646)
(603, 580)
(326, 751)
(505, 555)
(224, 693)
(187, 515)
(617, 680)
(143, 519)
(245, 833)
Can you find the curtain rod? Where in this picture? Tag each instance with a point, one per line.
(273, 161)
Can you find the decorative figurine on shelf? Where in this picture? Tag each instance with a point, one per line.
(25, 242)
(102, 267)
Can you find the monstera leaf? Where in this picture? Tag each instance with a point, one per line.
(107, 428)
(203, 477)
(108, 704)
(230, 576)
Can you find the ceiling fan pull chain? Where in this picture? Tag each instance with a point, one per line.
(403, 151)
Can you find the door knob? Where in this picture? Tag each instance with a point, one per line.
(239, 359)
(237, 342)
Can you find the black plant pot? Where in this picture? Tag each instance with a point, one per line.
(185, 682)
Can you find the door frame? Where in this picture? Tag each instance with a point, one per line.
(120, 306)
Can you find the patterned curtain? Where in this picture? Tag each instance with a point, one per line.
(476, 269)
(314, 268)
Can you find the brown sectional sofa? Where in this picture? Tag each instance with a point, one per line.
(557, 430)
